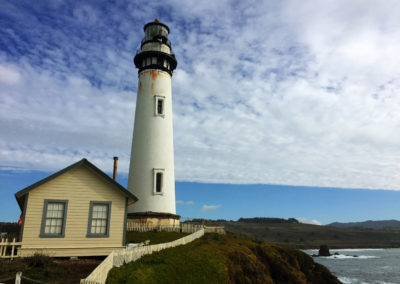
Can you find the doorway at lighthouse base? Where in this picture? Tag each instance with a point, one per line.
(154, 218)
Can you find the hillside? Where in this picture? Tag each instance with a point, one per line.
(223, 259)
(384, 224)
(298, 235)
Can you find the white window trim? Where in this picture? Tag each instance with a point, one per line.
(155, 172)
(156, 99)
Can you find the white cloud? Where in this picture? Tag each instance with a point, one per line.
(210, 207)
(313, 101)
(9, 75)
(307, 221)
(185, 202)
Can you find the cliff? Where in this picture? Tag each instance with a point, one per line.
(224, 259)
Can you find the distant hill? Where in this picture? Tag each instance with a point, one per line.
(298, 235)
(263, 220)
(9, 227)
(384, 224)
(255, 220)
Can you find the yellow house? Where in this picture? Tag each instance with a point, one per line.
(78, 211)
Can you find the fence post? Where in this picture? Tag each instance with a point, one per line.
(18, 278)
(1, 247)
(12, 249)
(4, 248)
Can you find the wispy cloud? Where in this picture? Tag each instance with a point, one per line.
(314, 101)
(307, 221)
(210, 207)
(9, 75)
(185, 202)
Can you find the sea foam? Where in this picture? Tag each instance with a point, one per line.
(344, 256)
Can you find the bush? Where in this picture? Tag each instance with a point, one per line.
(39, 260)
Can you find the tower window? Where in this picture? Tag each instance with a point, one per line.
(158, 181)
(159, 106)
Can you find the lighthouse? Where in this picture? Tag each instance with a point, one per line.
(151, 173)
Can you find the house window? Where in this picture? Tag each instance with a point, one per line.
(54, 217)
(158, 181)
(99, 219)
(159, 106)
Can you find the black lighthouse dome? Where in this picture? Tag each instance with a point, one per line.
(155, 51)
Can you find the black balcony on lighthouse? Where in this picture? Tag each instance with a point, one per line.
(155, 51)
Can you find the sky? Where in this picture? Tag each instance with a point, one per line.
(275, 102)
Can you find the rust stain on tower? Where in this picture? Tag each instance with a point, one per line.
(154, 74)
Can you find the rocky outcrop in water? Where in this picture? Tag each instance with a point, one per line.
(324, 251)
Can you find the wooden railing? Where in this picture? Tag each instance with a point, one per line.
(143, 227)
(119, 257)
(8, 249)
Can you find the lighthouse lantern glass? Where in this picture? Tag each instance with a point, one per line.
(153, 31)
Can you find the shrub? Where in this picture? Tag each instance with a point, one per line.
(39, 260)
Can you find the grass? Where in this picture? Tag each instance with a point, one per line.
(56, 270)
(223, 259)
(154, 237)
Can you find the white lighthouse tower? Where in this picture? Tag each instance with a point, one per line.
(151, 172)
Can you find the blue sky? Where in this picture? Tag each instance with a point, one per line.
(304, 95)
(231, 201)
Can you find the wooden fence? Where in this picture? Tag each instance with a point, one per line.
(119, 257)
(8, 249)
(143, 227)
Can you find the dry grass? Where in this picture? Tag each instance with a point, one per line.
(47, 269)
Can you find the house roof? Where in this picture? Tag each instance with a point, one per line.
(82, 162)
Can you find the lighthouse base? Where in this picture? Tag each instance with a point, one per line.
(154, 218)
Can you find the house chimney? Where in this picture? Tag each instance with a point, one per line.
(115, 168)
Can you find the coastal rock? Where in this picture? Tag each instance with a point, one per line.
(324, 251)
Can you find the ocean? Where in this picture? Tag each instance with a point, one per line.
(363, 266)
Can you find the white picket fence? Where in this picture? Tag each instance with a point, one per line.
(119, 257)
(4, 244)
(132, 226)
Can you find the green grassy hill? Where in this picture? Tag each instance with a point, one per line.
(224, 259)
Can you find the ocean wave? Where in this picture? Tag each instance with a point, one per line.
(362, 249)
(311, 251)
(349, 280)
(344, 256)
